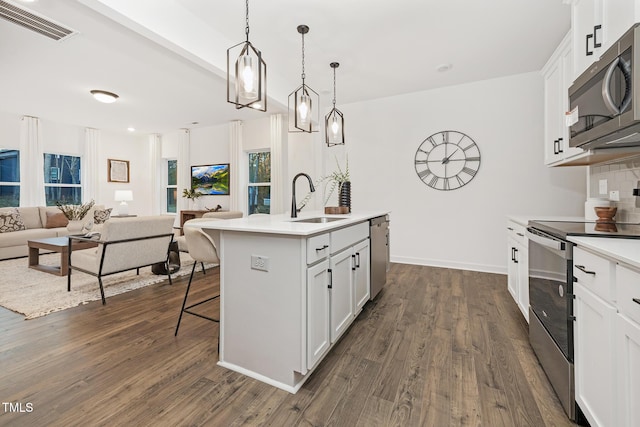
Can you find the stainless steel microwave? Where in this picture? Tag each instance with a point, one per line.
(604, 101)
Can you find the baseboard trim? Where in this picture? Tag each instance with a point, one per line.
(451, 264)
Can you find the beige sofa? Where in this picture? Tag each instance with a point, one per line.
(125, 244)
(14, 244)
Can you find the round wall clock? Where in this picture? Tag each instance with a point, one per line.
(447, 160)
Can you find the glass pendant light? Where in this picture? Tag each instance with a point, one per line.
(248, 87)
(334, 121)
(303, 102)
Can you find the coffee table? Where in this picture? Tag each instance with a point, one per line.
(54, 244)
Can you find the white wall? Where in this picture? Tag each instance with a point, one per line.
(463, 228)
(210, 145)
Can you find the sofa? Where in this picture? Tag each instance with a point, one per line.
(40, 222)
(125, 244)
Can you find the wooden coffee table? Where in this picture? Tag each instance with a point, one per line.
(54, 244)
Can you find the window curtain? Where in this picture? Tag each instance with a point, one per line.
(184, 168)
(278, 150)
(155, 156)
(90, 168)
(235, 152)
(31, 163)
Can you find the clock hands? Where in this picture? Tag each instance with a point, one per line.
(446, 159)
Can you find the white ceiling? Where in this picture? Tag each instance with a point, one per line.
(166, 58)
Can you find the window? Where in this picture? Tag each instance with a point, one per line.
(259, 190)
(62, 179)
(9, 178)
(172, 186)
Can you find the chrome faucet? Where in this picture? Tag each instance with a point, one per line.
(294, 207)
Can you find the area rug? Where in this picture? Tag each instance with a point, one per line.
(35, 293)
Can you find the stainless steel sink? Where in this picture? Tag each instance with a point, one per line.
(319, 219)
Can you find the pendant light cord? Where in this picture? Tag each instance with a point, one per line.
(246, 29)
(334, 87)
(303, 75)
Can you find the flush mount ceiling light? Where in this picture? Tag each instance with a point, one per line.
(104, 96)
(303, 101)
(248, 87)
(334, 121)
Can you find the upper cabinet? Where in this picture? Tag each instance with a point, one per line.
(596, 25)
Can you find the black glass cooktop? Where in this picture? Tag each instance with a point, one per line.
(563, 229)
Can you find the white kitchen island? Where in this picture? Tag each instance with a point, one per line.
(289, 289)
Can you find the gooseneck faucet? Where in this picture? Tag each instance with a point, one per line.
(294, 207)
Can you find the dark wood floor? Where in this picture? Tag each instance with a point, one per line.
(438, 347)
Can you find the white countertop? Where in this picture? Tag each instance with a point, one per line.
(284, 224)
(623, 250)
(524, 220)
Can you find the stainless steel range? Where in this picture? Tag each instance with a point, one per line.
(551, 297)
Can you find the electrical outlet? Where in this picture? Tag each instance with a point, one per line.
(259, 263)
(614, 196)
(603, 187)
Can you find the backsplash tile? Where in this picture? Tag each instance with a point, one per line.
(623, 176)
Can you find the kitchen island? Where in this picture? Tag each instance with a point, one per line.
(289, 288)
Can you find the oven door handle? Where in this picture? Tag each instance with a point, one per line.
(547, 242)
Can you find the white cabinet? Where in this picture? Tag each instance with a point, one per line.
(628, 346)
(341, 284)
(318, 338)
(557, 74)
(518, 266)
(361, 271)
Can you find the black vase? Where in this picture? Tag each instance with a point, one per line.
(345, 195)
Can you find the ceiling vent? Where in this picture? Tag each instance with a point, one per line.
(33, 21)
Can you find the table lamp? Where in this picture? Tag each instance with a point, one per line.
(123, 196)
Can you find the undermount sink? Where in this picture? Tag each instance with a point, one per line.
(319, 219)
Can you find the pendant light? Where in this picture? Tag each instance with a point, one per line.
(303, 102)
(334, 121)
(248, 88)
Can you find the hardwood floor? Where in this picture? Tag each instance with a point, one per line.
(438, 347)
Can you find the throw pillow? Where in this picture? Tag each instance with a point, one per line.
(56, 219)
(11, 221)
(101, 215)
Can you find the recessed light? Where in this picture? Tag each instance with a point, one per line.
(131, 129)
(104, 96)
(444, 67)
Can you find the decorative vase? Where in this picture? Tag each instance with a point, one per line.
(75, 226)
(345, 195)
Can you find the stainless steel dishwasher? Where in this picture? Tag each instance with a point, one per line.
(379, 234)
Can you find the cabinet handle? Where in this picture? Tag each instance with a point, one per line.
(520, 234)
(358, 262)
(560, 150)
(636, 300)
(513, 254)
(584, 270)
(330, 286)
(322, 248)
(353, 263)
(515, 259)
(596, 43)
(509, 228)
(556, 145)
(589, 52)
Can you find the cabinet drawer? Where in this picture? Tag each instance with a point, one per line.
(317, 248)
(594, 273)
(348, 236)
(628, 292)
(517, 231)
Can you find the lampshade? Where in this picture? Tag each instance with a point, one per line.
(123, 196)
(246, 74)
(334, 121)
(304, 102)
(104, 96)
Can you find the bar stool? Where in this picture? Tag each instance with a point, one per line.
(202, 249)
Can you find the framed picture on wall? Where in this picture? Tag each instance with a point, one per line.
(211, 179)
(118, 170)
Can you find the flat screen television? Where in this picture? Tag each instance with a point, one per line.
(210, 179)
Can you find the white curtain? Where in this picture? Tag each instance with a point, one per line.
(31, 163)
(184, 168)
(278, 151)
(155, 173)
(90, 168)
(235, 152)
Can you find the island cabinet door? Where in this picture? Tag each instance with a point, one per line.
(317, 312)
(361, 274)
(341, 293)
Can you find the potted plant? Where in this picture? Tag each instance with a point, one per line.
(192, 195)
(338, 179)
(75, 214)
